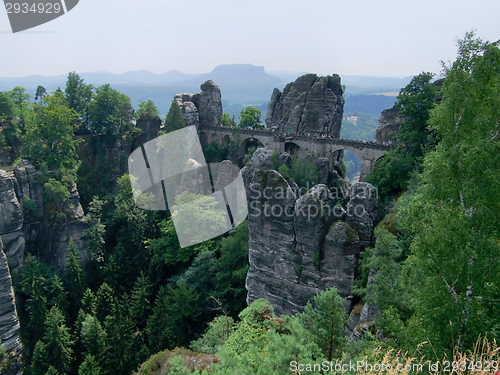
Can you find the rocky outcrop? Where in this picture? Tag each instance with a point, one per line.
(150, 127)
(310, 105)
(189, 109)
(299, 244)
(202, 109)
(23, 228)
(388, 125)
(9, 322)
(362, 210)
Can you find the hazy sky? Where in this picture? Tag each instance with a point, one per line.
(380, 38)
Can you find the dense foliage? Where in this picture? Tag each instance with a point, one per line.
(437, 254)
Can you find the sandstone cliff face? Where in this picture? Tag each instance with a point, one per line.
(299, 244)
(9, 323)
(310, 105)
(23, 228)
(150, 126)
(388, 124)
(202, 109)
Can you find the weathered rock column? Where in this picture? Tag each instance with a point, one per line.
(9, 322)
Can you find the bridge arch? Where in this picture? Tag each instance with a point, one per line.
(214, 138)
(292, 148)
(203, 138)
(247, 143)
(366, 156)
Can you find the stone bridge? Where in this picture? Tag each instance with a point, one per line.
(368, 153)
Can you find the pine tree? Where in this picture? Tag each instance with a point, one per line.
(74, 280)
(141, 304)
(34, 286)
(39, 365)
(175, 119)
(119, 357)
(326, 321)
(157, 325)
(93, 336)
(52, 371)
(57, 294)
(105, 299)
(89, 366)
(94, 234)
(57, 341)
(89, 302)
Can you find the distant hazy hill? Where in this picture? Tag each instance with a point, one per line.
(140, 77)
(238, 75)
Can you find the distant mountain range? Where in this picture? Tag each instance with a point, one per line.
(239, 83)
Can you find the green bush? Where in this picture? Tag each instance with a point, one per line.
(304, 173)
(29, 205)
(284, 171)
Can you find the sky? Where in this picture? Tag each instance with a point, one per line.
(383, 38)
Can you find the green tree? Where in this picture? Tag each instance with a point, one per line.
(227, 120)
(250, 118)
(128, 229)
(88, 302)
(215, 336)
(3, 357)
(265, 344)
(232, 267)
(10, 132)
(119, 357)
(454, 215)
(147, 108)
(57, 341)
(24, 107)
(96, 229)
(175, 119)
(40, 93)
(89, 366)
(52, 371)
(141, 305)
(34, 286)
(74, 279)
(49, 138)
(93, 336)
(105, 299)
(198, 216)
(110, 113)
(304, 173)
(56, 199)
(158, 323)
(78, 96)
(326, 321)
(57, 295)
(39, 365)
(175, 318)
